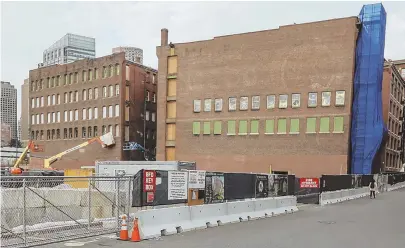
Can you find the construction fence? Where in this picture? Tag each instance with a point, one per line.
(42, 210)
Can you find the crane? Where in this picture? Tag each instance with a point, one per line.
(105, 140)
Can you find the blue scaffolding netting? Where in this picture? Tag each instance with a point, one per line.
(368, 126)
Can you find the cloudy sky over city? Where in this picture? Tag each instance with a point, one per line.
(28, 28)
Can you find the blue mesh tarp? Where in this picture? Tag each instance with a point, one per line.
(367, 122)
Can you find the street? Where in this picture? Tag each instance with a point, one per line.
(358, 223)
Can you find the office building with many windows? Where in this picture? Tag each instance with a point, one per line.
(69, 48)
(9, 108)
(78, 101)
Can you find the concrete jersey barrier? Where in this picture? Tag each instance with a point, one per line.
(167, 221)
(332, 197)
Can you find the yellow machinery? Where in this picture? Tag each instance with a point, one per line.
(105, 140)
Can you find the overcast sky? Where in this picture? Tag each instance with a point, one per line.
(28, 28)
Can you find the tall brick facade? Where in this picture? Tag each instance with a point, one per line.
(77, 101)
(275, 99)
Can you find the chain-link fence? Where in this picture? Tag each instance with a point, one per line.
(42, 210)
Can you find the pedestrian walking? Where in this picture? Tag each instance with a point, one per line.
(372, 187)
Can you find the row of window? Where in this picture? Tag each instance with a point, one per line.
(271, 101)
(86, 75)
(73, 115)
(73, 133)
(269, 126)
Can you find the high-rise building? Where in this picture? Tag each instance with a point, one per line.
(5, 135)
(25, 110)
(9, 107)
(85, 99)
(69, 48)
(132, 54)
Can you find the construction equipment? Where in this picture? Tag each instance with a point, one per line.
(105, 140)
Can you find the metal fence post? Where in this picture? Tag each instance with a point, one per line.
(24, 213)
(89, 199)
(117, 202)
(129, 196)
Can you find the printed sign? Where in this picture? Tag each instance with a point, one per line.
(255, 102)
(177, 185)
(262, 186)
(149, 181)
(218, 105)
(214, 187)
(312, 99)
(244, 103)
(197, 106)
(271, 102)
(306, 183)
(283, 101)
(232, 104)
(196, 179)
(340, 98)
(150, 197)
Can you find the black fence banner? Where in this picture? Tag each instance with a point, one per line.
(239, 186)
(278, 185)
(262, 186)
(214, 187)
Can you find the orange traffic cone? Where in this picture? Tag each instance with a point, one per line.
(135, 232)
(124, 229)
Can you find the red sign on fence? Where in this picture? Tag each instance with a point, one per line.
(149, 181)
(309, 183)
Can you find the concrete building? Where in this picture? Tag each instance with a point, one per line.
(393, 95)
(25, 107)
(74, 102)
(9, 107)
(132, 54)
(5, 134)
(274, 99)
(69, 48)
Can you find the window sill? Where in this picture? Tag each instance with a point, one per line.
(217, 134)
(242, 134)
(231, 134)
(269, 133)
(254, 134)
(206, 134)
(195, 134)
(281, 133)
(295, 133)
(310, 132)
(324, 132)
(338, 132)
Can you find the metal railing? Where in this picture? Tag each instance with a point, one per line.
(42, 210)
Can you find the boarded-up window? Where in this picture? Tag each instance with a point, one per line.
(269, 127)
(294, 126)
(282, 126)
(231, 127)
(171, 132)
(196, 128)
(324, 125)
(338, 124)
(170, 153)
(217, 127)
(171, 110)
(254, 127)
(126, 113)
(172, 65)
(126, 133)
(127, 93)
(242, 127)
(207, 128)
(171, 87)
(127, 73)
(311, 124)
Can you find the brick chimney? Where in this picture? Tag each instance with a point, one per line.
(164, 37)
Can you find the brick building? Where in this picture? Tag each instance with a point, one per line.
(74, 102)
(275, 99)
(393, 95)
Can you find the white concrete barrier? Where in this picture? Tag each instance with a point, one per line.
(167, 221)
(333, 197)
(209, 215)
(396, 186)
(164, 221)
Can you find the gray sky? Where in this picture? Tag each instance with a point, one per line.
(28, 28)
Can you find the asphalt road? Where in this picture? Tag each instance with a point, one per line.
(376, 223)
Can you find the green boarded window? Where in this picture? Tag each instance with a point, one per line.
(338, 124)
(269, 127)
(196, 128)
(294, 125)
(217, 127)
(282, 126)
(311, 124)
(207, 127)
(254, 126)
(231, 127)
(324, 126)
(242, 127)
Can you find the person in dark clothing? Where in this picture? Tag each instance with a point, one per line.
(372, 187)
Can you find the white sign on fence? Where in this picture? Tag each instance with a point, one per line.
(177, 185)
(196, 179)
